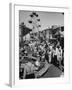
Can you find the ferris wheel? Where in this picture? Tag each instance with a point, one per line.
(34, 21)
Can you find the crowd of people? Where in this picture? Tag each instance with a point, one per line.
(36, 55)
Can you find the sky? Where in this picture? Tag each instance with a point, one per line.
(47, 19)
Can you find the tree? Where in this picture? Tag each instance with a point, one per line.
(23, 30)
